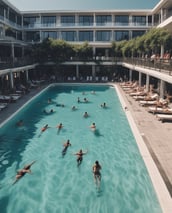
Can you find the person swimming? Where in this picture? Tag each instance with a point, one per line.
(66, 145)
(80, 156)
(96, 172)
(93, 127)
(85, 115)
(59, 127)
(74, 108)
(44, 128)
(19, 123)
(103, 105)
(22, 172)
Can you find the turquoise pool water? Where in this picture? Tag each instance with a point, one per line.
(57, 184)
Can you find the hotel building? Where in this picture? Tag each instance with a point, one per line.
(20, 29)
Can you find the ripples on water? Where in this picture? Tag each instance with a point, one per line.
(57, 184)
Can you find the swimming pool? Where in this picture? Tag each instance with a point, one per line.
(57, 183)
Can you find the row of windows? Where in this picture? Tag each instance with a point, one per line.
(105, 36)
(86, 20)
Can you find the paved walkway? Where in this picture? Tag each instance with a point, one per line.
(156, 135)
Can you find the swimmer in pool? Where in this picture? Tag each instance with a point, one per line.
(66, 145)
(74, 108)
(79, 100)
(19, 123)
(85, 115)
(93, 127)
(22, 172)
(80, 156)
(59, 127)
(103, 105)
(96, 172)
(44, 128)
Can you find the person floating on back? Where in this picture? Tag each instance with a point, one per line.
(22, 172)
(66, 145)
(96, 173)
(80, 156)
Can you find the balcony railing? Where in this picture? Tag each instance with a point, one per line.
(6, 63)
(85, 24)
(160, 65)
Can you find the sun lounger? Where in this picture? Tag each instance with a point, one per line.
(5, 98)
(149, 98)
(164, 117)
(3, 106)
(160, 110)
(147, 103)
(140, 93)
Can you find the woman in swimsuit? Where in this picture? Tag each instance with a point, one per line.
(96, 172)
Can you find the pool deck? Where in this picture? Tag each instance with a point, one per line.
(155, 135)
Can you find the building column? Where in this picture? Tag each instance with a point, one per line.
(162, 88)
(12, 51)
(162, 15)
(162, 51)
(147, 82)
(130, 75)
(94, 71)
(94, 52)
(140, 79)
(11, 80)
(27, 76)
(77, 71)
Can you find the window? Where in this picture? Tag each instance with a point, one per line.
(121, 35)
(86, 20)
(139, 20)
(103, 20)
(48, 21)
(103, 35)
(68, 35)
(49, 34)
(32, 36)
(30, 21)
(68, 20)
(121, 20)
(137, 33)
(85, 35)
